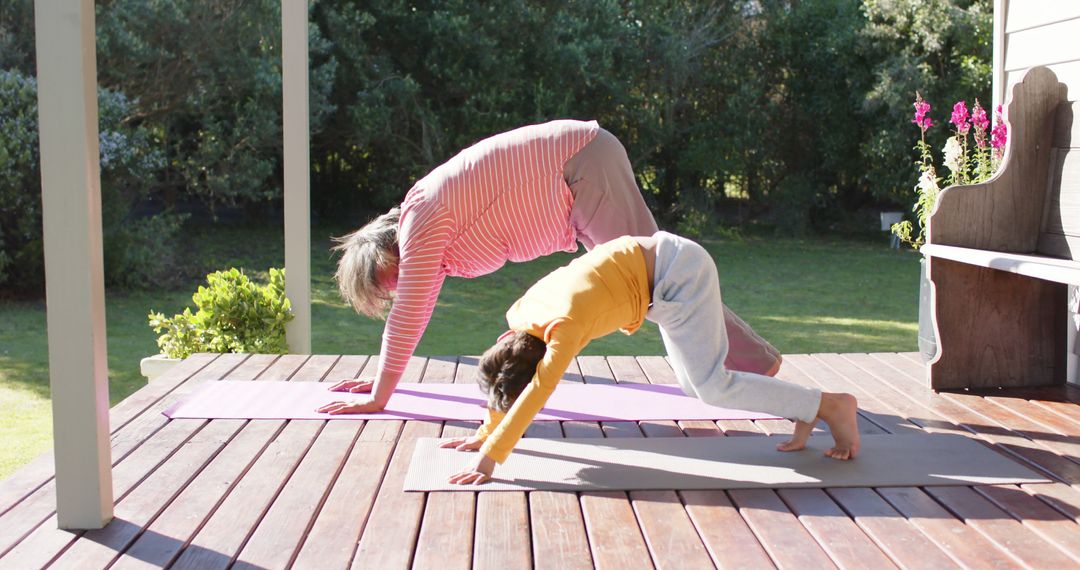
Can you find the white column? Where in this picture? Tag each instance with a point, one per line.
(74, 275)
(294, 79)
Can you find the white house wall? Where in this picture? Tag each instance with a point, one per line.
(1039, 32)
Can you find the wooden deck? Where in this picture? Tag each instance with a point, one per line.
(316, 494)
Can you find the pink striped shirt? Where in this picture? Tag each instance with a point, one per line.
(502, 199)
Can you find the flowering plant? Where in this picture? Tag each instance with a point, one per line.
(966, 164)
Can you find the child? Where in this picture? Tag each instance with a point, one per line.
(673, 282)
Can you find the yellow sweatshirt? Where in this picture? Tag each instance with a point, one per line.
(598, 293)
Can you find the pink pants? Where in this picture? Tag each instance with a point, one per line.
(608, 204)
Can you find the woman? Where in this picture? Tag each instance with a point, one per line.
(515, 196)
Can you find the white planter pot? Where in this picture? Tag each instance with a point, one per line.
(890, 218)
(156, 365)
(927, 339)
(1073, 338)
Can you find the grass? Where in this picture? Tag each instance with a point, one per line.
(812, 295)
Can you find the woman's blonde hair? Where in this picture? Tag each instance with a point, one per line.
(366, 255)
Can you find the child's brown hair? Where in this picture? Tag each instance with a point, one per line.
(507, 368)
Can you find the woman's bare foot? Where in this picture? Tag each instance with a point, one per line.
(775, 367)
(840, 412)
(798, 437)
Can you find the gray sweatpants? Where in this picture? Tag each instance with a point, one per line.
(686, 305)
(608, 204)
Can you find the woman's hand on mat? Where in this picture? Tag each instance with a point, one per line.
(464, 443)
(354, 386)
(479, 474)
(365, 406)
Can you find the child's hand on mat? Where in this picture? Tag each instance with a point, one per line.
(365, 406)
(479, 474)
(354, 386)
(464, 444)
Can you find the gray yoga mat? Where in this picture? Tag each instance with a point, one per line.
(626, 464)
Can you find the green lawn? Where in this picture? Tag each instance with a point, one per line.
(813, 295)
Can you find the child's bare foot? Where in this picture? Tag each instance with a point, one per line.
(798, 437)
(840, 412)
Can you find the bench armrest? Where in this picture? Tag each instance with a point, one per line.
(1005, 213)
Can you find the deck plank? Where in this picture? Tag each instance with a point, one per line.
(446, 532)
(1044, 416)
(169, 533)
(1059, 403)
(44, 541)
(1003, 438)
(627, 370)
(98, 548)
(876, 367)
(725, 535)
(966, 545)
(846, 375)
(782, 535)
(142, 427)
(502, 531)
(596, 370)
(811, 372)
(1036, 515)
(998, 527)
(272, 494)
(224, 532)
(1063, 498)
(556, 523)
(135, 404)
(332, 539)
(723, 531)
(669, 533)
(848, 378)
(388, 539)
(227, 529)
(841, 541)
(615, 540)
(904, 404)
(274, 542)
(1013, 415)
(26, 480)
(750, 543)
(446, 540)
(890, 530)
(37, 507)
(558, 531)
(845, 543)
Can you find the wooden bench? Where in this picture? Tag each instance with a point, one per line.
(1003, 253)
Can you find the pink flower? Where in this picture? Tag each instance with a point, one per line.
(921, 109)
(1000, 134)
(960, 117)
(980, 122)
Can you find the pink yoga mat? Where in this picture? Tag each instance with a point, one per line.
(255, 400)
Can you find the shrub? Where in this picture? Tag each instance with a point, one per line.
(233, 315)
(136, 251)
